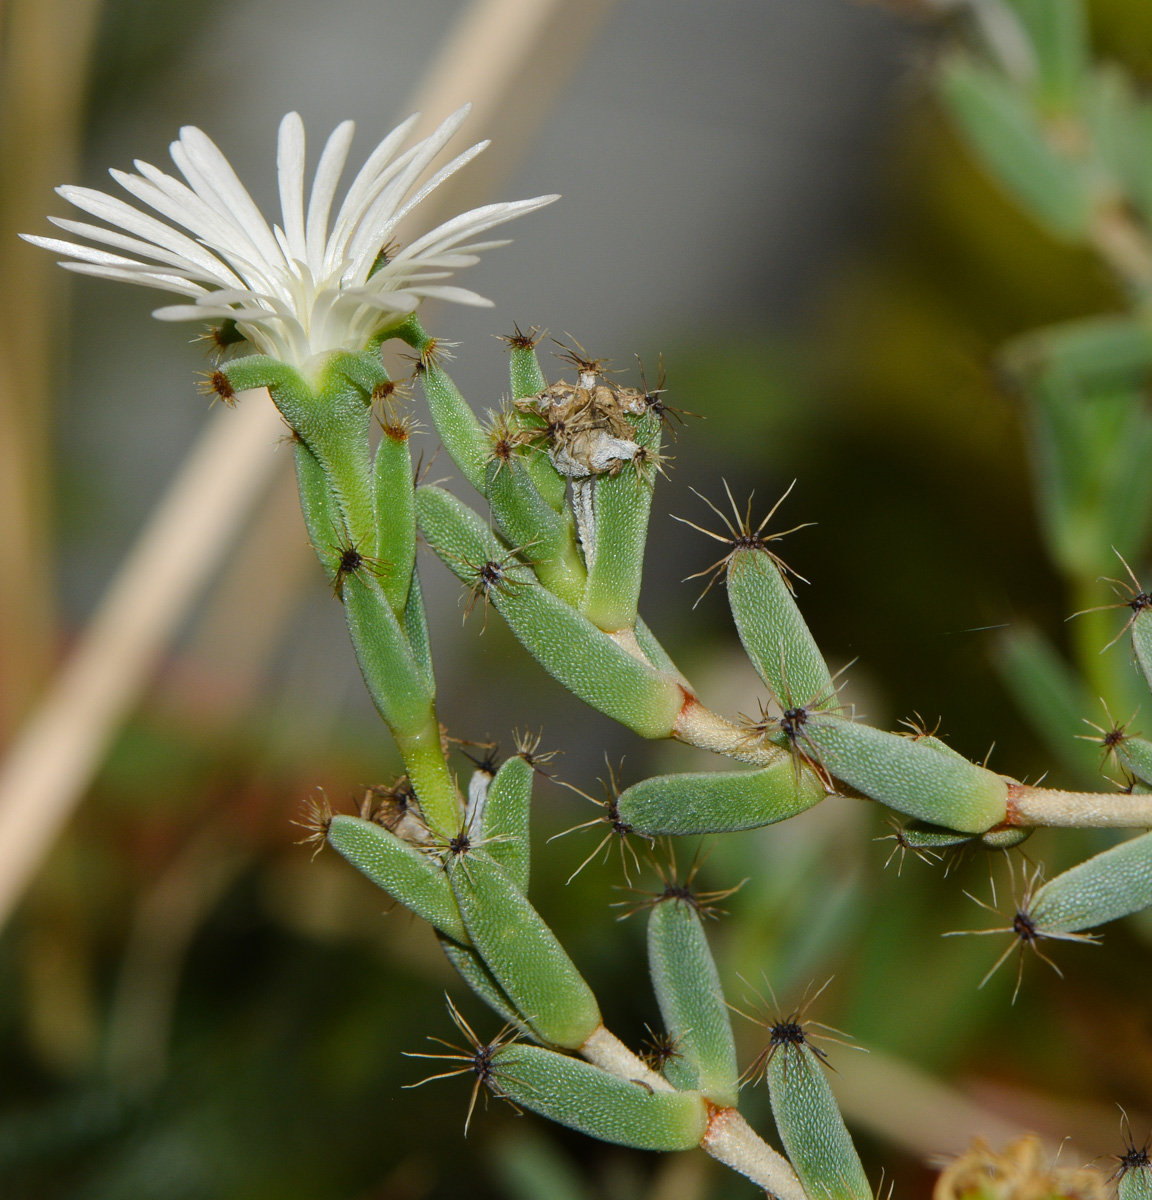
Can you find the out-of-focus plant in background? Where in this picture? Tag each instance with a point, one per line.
(189, 1007)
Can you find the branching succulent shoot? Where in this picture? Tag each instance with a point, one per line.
(568, 469)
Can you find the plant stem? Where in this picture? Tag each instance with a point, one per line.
(428, 772)
(606, 1051)
(732, 1141)
(1078, 810)
(729, 1139)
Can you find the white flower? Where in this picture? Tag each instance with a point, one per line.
(299, 289)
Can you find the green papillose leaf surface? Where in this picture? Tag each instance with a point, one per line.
(567, 645)
(720, 801)
(775, 634)
(1105, 887)
(522, 953)
(687, 988)
(583, 1097)
(810, 1126)
(407, 874)
(942, 789)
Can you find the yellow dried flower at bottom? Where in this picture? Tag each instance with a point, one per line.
(1021, 1171)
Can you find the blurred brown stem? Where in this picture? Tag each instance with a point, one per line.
(44, 56)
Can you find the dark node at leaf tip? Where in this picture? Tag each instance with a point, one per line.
(528, 748)
(787, 1033)
(1134, 1158)
(218, 385)
(522, 339)
(659, 1049)
(1024, 927)
(315, 818)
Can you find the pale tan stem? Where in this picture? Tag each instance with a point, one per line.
(1027, 806)
(1077, 810)
(1124, 246)
(732, 1141)
(700, 726)
(729, 1139)
(59, 750)
(606, 1051)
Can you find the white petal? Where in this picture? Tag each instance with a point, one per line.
(170, 197)
(385, 205)
(328, 172)
(110, 237)
(197, 312)
(178, 203)
(116, 212)
(475, 221)
(87, 253)
(205, 155)
(166, 283)
(386, 183)
(449, 261)
(403, 173)
(363, 187)
(379, 224)
(290, 174)
(405, 301)
(457, 295)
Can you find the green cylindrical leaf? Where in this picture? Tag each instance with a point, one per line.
(921, 835)
(476, 975)
(566, 644)
(546, 537)
(810, 1126)
(1142, 642)
(1135, 1182)
(524, 374)
(526, 380)
(1058, 30)
(691, 1001)
(720, 801)
(775, 635)
(404, 872)
(523, 953)
(1134, 754)
(1004, 839)
(907, 776)
(581, 1096)
(415, 624)
(462, 434)
(395, 680)
(394, 494)
(335, 423)
(1094, 352)
(506, 814)
(1105, 887)
(321, 515)
(1005, 133)
(654, 652)
(622, 504)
